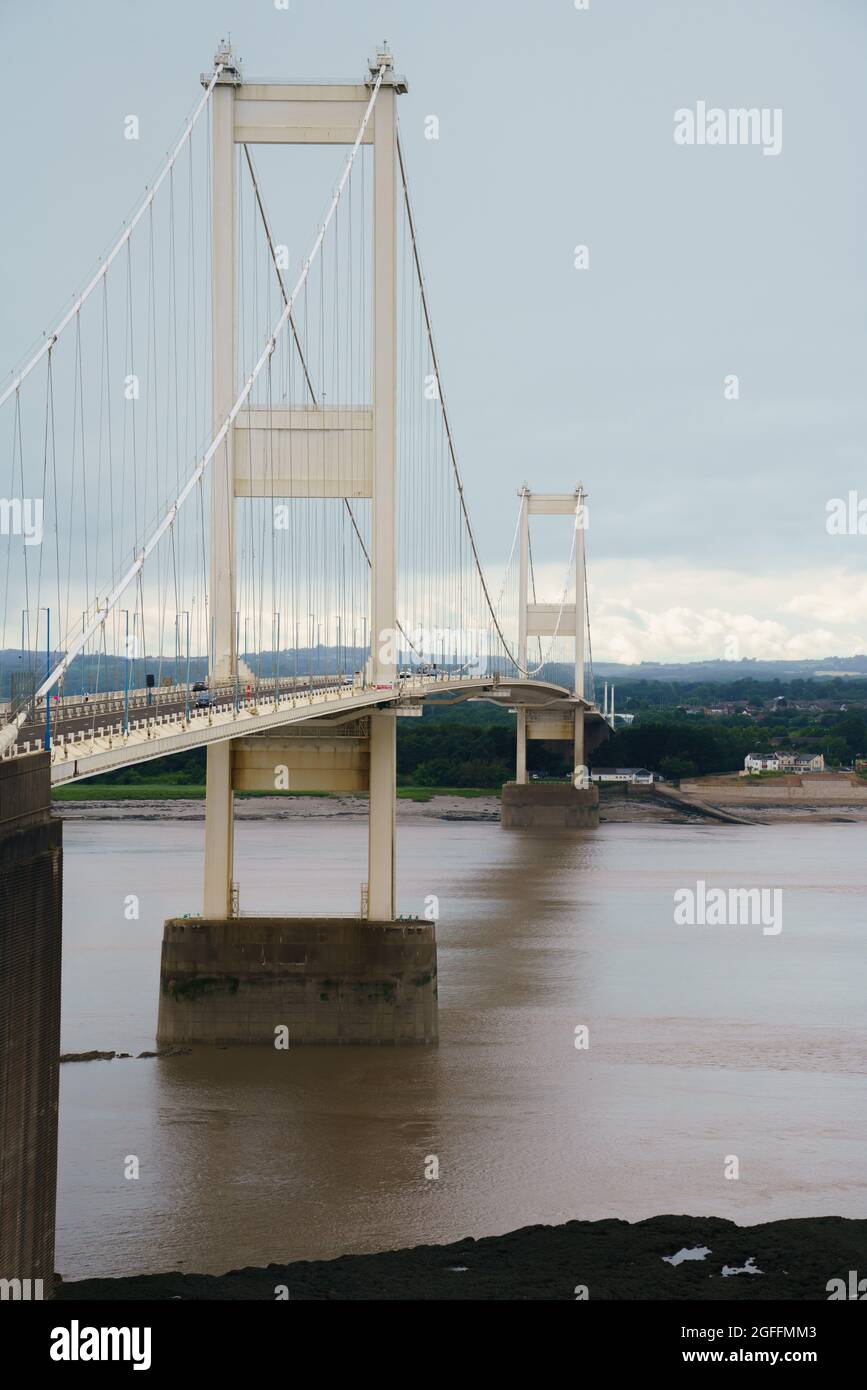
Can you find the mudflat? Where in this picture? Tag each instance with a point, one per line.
(804, 1259)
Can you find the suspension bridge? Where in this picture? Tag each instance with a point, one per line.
(227, 465)
(235, 521)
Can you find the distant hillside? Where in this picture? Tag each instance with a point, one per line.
(110, 672)
(748, 668)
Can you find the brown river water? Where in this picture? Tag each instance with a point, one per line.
(705, 1042)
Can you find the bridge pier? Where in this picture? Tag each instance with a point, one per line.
(549, 806)
(579, 760)
(521, 746)
(230, 979)
(290, 982)
(219, 830)
(381, 830)
(31, 871)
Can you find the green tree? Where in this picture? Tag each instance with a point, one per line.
(836, 751)
(674, 768)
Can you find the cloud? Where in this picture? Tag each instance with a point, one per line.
(838, 598)
(645, 612)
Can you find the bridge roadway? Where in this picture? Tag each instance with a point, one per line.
(74, 714)
(82, 747)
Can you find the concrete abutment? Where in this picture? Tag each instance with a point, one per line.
(548, 806)
(336, 981)
(31, 881)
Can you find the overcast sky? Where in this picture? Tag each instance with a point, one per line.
(556, 129)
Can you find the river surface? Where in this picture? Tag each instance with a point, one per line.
(705, 1043)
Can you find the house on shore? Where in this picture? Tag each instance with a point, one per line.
(784, 762)
(637, 775)
(762, 762)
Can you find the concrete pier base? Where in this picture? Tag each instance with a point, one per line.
(328, 981)
(31, 896)
(548, 806)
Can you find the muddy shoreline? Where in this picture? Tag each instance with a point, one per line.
(615, 808)
(479, 808)
(612, 1259)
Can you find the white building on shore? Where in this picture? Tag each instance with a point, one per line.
(638, 775)
(784, 762)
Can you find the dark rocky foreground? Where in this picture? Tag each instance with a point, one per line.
(615, 1260)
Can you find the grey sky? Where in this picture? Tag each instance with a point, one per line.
(556, 128)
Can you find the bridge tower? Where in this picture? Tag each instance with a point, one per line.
(525, 804)
(333, 980)
(222, 649)
(547, 619)
(324, 115)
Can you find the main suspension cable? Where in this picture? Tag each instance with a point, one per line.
(118, 246)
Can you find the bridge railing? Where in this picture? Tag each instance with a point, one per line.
(100, 738)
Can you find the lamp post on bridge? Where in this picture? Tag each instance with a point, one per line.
(126, 653)
(47, 740)
(184, 613)
(237, 661)
(277, 660)
(31, 678)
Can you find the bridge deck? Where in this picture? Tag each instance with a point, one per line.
(84, 752)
